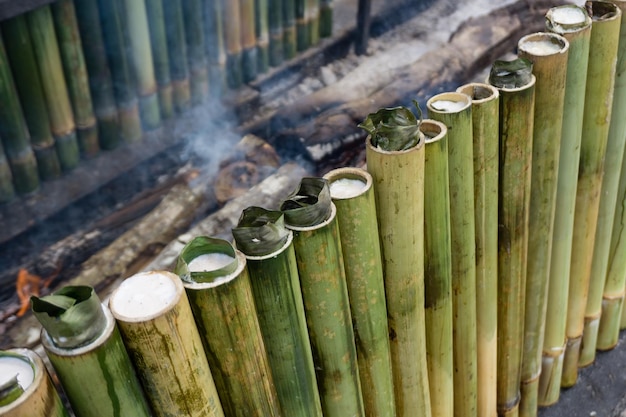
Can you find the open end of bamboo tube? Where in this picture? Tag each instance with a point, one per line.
(567, 18)
(433, 130)
(348, 182)
(145, 296)
(542, 44)
(331, 217)
(479, 92)
(602, 10)
(448, 103)
(214, 261)
(15, 370)
(28, 368)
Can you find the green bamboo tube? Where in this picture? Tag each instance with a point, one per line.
(548, 53)
(112, 21)
(325, 295)
(352, 193)
(177, 48)
(485, 118)
(37, 396)
(231, 15)
(276, 47)
(313, 21)
(302, 25)
(54, 86)
(7, 191)
(160, 56)
(100, 82)
(326, 18)
(438, 270)
(455, 111)
(20, 54)
(622, 324)
(216, 55)
(196, 50)
(158, 329)
(218, 287)
(262, 35)
(278, 298)
(578, 34)
(399, 183)
(517, 102)
(598, 102)
(248, 40)
(140, 53)
(75, 69)
(610, 217)
(14, 132)
(88, 355)
(290, 43)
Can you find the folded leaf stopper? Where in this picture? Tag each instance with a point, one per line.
(394, 128)
(204, 259)
(511, 74)
(260, 232)
(309, 205)
(10, 390)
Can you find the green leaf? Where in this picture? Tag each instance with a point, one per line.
(260, 232)
(203, 245)
(394, 128)
(511, 74)
(10, 391)
(308, 205)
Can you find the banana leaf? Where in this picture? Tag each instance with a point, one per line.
(511, 74)
(260, 232)
(199, 246)
(309, 205)
(393, 129)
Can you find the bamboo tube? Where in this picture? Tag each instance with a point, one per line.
(85, 348)
(598, 102)
(214, 36)
(54, 86)
(325, 295)
(73, 62)
(248, 41)
(438, 270)
(160, 56)
(302, 25)
(485, 117)
(578, 35)
(290, 42)
(399, 183)
(99, 74)
(14, 133)
(276, 48)
(231, 15)
(140, 53)
(313, 21)
(177, 48)
(517, 100)
(548, 53)
(124, 84)
(622, 324)
(611, 217)
(273, 270)
(7, 191)
(358, 228)
(455, 111)
(158, 329)
(196, 50)
(326, 18)
(20, 54)
(262, 35)
(37, 396)
(218, 287)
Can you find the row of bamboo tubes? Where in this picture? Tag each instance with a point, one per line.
(78, 76)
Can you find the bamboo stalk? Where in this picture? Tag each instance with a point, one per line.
(7, 191)
(611, 217)
(177, 48)
(290, 42)
(458, 120)
(399, 183)
(262, 35)
(313, 21)
(164, 345)
(578, 35)
(485, 118)
(54, 86)
(325, 295)
(598, 102)
(40, 398)
(214, 36)
(20, 54)
(91, 362)
(223, 307)
(517, 101)
(196, 50)
(438, 269)
(274, 276)
(160, 56)
(301, 22)
(124, 83)
(231, 15)
(622, 324)
(14, 133)
(73, 62)
(248, 40)
(326, 18)
(548, 53)
(358, 228)
(99, 74)
(276, 48)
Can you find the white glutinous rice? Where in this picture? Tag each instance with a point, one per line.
(209, 262)
(543, 47)
(346, 188)
(11, 366)
(144, 295)
(448, 105)
(568, 15)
